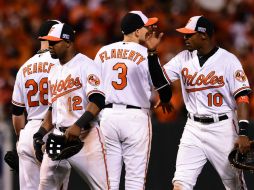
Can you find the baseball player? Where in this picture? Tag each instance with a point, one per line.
(30, 94)
(125, 121)
(75, 99)
(215, 91)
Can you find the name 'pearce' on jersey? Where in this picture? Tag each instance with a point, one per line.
(40, 67)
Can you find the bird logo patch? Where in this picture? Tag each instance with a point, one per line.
(93, 80)
(240, 76)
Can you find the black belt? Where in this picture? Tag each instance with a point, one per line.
(62, 129)
(35, 119)
(127, 106)
(208, 119)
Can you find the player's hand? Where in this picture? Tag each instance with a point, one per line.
(166, 107)
(153, 40)
(38, 143)
(72, 132)
(242, 144)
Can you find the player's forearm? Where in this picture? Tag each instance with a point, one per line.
(47, 121)
(18, 123)
(156, 73)
(243, 111)
(243, 118)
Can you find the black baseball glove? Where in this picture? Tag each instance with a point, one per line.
(242, 161)
(59, 148)
(38, 143)
(12, 159)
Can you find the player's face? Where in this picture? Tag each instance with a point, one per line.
(142, 32)
(59, 48)
(193, 41)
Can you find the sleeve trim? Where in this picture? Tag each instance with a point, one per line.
(241, 89)
(18, 104)
(95, 91)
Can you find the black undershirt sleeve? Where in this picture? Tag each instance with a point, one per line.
(17, 110)
(158, 78)
(165, 93)
(98, 99)
(156, 72)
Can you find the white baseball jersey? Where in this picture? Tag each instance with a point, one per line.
(209, 89)
(70, 86)
(31, 85)
(126, 77)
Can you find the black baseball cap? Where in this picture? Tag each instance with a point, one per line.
(197, 24)
(134, 20)
(60, 32)
(46, 26)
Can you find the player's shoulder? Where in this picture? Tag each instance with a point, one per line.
(109, 46)
(228, 57)
(41, 57)
(81, 58)
(185, 55)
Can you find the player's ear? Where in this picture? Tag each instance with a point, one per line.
(137, 33)
(68, 43)
(203, 36)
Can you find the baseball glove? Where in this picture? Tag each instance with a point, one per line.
(12, 159)
(242, 161)
(58, 148)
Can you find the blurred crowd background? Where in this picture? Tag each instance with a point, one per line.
(97, 23)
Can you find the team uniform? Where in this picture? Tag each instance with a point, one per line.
(125, 122)
(31, 91)
(211, 129)
(70, 86)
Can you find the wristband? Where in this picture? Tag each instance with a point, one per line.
(243, 127)
(83, 121)
(42, 131)
(151, 52)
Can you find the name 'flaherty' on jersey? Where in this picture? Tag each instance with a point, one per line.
(122, 54)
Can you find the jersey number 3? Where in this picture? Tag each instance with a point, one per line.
(121, 75)
(42, 88)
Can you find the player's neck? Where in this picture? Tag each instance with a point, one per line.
(67, 58)
(44, 45)
(206, 49)
(130, 38)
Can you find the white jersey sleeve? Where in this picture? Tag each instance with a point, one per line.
(93, 79)
(236, 77)
(173, 68)
(17, 95)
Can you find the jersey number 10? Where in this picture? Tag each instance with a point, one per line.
(215, 99)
